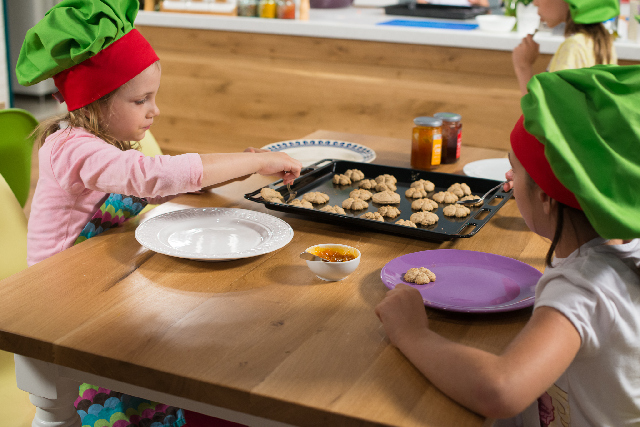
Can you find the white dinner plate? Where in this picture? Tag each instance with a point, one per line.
(487, 168)
(214, 234)
(309, 151)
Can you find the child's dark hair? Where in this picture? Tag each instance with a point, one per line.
(602, 39)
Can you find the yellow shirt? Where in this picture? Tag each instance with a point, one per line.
(576, 52)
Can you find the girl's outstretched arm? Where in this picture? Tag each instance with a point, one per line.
(496, 386)
(222, 167)
(523, 57)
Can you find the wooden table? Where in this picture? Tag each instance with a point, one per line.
(260, 340)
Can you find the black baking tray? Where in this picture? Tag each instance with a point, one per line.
(435, 10)
(318, 177)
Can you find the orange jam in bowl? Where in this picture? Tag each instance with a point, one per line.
(334, 253)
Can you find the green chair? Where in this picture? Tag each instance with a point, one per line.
(16, 146)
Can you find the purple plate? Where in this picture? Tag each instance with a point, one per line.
(467, 281)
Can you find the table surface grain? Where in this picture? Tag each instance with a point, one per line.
(260, 335)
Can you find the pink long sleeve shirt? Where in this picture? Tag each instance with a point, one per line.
(77, 171)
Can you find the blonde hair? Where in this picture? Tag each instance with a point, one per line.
(602, 39)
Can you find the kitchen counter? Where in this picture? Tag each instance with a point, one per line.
(363, 23)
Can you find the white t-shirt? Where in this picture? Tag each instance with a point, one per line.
(597, 288)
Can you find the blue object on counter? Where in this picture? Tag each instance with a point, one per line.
(430, 24)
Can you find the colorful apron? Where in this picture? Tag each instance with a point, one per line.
(100, 407)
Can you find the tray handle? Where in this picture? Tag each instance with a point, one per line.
(487, 207)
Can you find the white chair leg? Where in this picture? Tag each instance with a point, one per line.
(52, 395)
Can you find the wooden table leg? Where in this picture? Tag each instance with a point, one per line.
(52, 395)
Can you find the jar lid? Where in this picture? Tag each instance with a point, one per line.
(427, 121)
(448, 117)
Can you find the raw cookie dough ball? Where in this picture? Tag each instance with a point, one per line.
(354, 175)
(419, 276)
(424, 218)
(341, 179)
(301, 203)
(375, 216)
(406, 223)
(389, 211)
(445, 197)
(386, 179)
(333, 209)
(385, 186)
(316, 197)
(426, 205)
(459, 211)
(472, 197)
(355, 204)
(459, 189)
(361, 194)
(426, 185)
(270, 193)
(415, 193)
(367, 184)
(386, 197)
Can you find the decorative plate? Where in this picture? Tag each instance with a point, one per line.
(467, 281)
(214, 234)
(309, 151)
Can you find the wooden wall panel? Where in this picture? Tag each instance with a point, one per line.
(222, 91)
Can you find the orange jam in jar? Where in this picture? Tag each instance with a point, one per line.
(426, 143)
(334, 253)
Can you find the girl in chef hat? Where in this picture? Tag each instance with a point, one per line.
(576, 176)
(587, 42)
(90, 178)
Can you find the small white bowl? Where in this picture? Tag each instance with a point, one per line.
(333, 271)
(496, 23)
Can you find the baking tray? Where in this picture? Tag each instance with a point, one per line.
(318, 177)
(435, 11)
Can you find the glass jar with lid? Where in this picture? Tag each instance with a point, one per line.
(248, 8)
(451, 136)
(426, 143)
(267, 9)
(286, 9)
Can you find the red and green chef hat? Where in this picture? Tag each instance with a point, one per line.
(89, 47)
(593, 11)
(579, 139)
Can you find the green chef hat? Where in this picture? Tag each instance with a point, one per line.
(593, 11)
(589, 122)
(89, 47)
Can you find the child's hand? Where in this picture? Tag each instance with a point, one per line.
(509, 178)
(526, 53)
(280, 164)
(402, 313)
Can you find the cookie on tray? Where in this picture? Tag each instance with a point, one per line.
(386, 197)
(445, 197)
(415, 193)
(301, 203)
(385, 186)
(425, 184)
(459, 189)
(361, 194)
(459, 211)
(472, 197)
(368, 184)
(406, 223)
(424, 218)
(341, 179)
(354, 175)
(316, 197)
(333, 209)
(425, 204)
(419, 276)
(386, 179)
(389, 211)
(355, 204)
(270, 193)
(375, 216)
